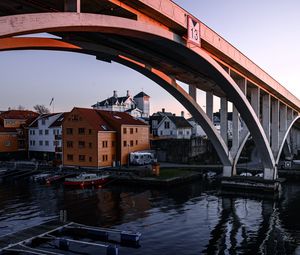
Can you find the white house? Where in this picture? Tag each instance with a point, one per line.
(197, 130)
(45, 137)
(174, 127)
(138, 106)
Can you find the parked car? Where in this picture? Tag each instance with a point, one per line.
(247, 174)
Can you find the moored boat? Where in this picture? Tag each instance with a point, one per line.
(85, 180)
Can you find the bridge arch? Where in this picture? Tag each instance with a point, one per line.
(297, 119)
(158, 77)
(195, 60)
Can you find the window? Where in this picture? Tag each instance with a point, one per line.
(53, 131)
(104, 157)
(90, 131)
(43, 121)
(136, 130)
(90, 159)
(167, 125)
(136, 142)
(7, 143)
(69, 144)
(113, 144)
(187, 132)
(90, 145)
(46, 132)
(33, 143)
(33, 132)
(81, 144)
(40, 132)
(124, 143)
(30, 143)
(70, 157)
(131, 143)
(69, 131)
(47, 143)
(161, 132)
(41, 143)
(124, 131)
(180, 133)
(104, 144)
(81, 157)
(131, 130)
(81, 131)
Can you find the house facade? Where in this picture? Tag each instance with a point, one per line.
(137, 106)
(98, 138)
(14, 133)
(45, 137)
(174, 127)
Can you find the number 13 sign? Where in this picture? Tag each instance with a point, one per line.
(193, 31)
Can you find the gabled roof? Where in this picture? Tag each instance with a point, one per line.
(59, 120)
(18, 114)
(141, 94)
(179, 122)
(112, 101)
(34, 122)
(93, 118)
(120, 118)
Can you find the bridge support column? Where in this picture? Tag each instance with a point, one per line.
(275, 127)
(283, 122)
(224, 119)
(255, 98)
(209, 105)
(227, 171)
(266, 114)
(193, 92)
(72, 6)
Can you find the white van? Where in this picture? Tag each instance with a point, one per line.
(141, 158)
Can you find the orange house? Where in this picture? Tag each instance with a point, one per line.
(96, 138)
(88, 141)
(13, 131)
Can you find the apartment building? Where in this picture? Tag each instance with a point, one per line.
(45, 140)
(97, 138)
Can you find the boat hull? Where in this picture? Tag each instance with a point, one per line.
(86, 183)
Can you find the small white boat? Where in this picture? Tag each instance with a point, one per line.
(85, 180)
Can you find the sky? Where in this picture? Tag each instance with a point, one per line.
(266, 31)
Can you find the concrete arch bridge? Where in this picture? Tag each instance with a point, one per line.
(167, 44)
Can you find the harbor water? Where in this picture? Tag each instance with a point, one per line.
(189, 219)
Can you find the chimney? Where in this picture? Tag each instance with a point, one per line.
(115, 94)
(128, 93)
(182, 114)
(174, 114)
(163, 110)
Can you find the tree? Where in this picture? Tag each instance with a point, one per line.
(21, 108)
(41, 109)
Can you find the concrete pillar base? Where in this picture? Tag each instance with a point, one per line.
(227, 171)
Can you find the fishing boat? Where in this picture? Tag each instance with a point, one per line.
(85, 180)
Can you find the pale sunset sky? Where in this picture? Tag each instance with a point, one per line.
(267, 31)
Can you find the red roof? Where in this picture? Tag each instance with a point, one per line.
(18, 114)
(94, 119)
(8, 130)
(120, 118)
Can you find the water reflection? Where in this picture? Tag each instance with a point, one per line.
(190, 219)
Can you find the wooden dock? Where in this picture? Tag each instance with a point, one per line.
(29, 233)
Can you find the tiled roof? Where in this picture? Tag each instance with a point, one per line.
(141, 94)
(120, 118)
(34, 122)
(18, 114)
(180, 122)
(94, 119)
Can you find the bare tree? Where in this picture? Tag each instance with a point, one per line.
(41, 109)
(21, 107)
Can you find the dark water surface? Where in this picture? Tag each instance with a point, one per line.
(190, 219)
